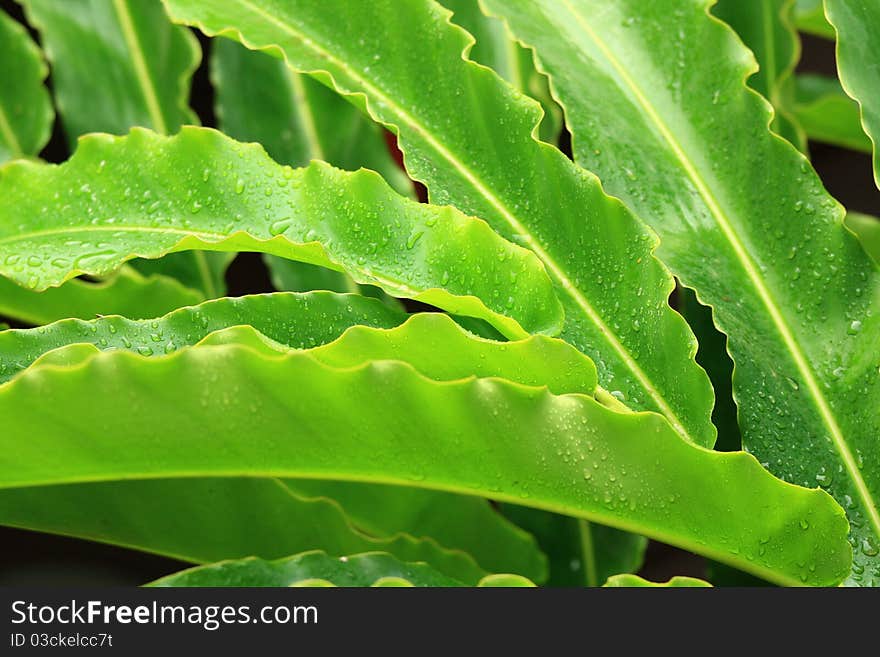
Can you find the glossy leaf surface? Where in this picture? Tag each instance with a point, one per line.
(480, 436)
(149, 195)
(297, 119)
(403, 62)
(687, 146)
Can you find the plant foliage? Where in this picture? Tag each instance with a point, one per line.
(498, 385)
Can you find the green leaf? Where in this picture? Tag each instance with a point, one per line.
(868, 230)
(304, 569)
(766, 27)
(790, 286)
(809, 17)
(622, 581)
(179, 518)
(456, 521)
(351, 420)
(125, 292)
(296, 120)
(403, 63)
(25, 109)
(827, 114)
(496, 48)
(858, 61)
(581, 553)
(130, 42)
(305, 321)
(151, 62)
(150, 195)
(206, 519)
(295, 320)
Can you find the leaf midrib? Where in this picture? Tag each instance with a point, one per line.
(457, 163)
(110, 229)
(139, 62)
(770, 45)
(8, 134)
(304, 116)
(748, 266)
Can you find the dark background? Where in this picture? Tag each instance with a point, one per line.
(33, 558)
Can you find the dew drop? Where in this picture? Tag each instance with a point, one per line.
(280, 226)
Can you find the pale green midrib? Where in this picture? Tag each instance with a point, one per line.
(303, 115)
(512, 55)
(111, 229)
(140, 66)
(205, 274)
(676, 539)
(508, 216)
(8, 135)
(585, 532)
(770, 45)
(749, 267)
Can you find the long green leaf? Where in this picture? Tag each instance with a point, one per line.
(744, 221)
(766, 27)
(179, 518)
(146, 195)
(827, 114)
(297, 119)
(311, 569)
(468, 136)
(25, 109)
(151, 62)
(304, 321)
(208, 519)
(295, 320)
(129, 42)
(858, 61)
(126, 292)
(455, 521)
(625, 581)
(259, 410)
